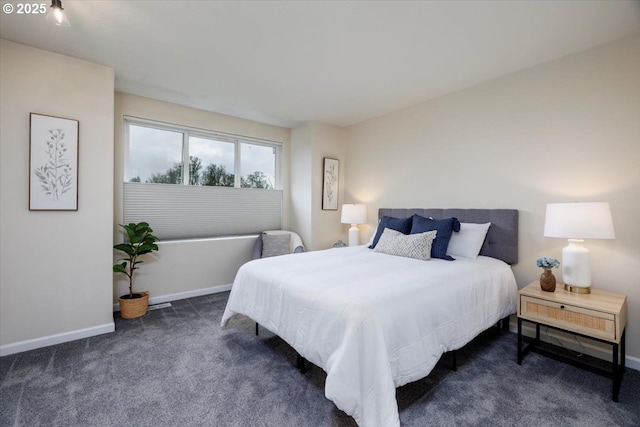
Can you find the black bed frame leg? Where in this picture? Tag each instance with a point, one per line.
(505, 323)
(301, 363)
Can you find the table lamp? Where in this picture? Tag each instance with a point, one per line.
(354, 214)
(578, 221)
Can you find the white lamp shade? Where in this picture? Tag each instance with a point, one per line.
(588, 220)
(354, 214)
(577, 221)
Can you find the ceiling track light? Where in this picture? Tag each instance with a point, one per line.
(56, 14)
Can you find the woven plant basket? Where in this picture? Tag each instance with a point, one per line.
(134, 308)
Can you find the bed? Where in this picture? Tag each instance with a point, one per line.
(375, 321)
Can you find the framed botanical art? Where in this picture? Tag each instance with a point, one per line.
(53, 163)
(330, 184)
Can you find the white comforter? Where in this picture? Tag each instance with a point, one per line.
(372, 321)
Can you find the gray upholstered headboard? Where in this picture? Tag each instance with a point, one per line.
(502, 238)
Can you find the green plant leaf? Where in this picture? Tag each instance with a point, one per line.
(128, 230)
(150, 238)
(141, 226)
(120, 268)
(145, 248)
(126, 248)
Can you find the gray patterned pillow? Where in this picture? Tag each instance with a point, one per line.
(410, 245)
(275, 244)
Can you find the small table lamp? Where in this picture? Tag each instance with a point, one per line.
(354, 214)
(578, 221)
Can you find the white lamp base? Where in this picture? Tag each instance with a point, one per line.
(576, 269)
(577, 289)
(354, 235)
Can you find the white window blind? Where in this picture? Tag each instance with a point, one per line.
(183, 212)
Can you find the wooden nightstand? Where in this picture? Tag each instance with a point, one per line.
(600, 316)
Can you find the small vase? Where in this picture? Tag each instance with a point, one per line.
(548, 281)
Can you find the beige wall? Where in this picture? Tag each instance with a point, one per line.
(310, 144)
(327, 227)
(565, 131)
(186, 268)
(301, 182)
(55, 268)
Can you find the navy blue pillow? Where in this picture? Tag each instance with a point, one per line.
(402, 225)
(444, 227)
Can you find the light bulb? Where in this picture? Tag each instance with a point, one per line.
(56, 14)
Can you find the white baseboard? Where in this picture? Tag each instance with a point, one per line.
(36, 343)
(33, 344)
(588, 347)
(632, 362)
(183, 295)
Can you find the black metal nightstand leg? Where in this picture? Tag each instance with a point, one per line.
(519, 341)
(522, 352)
(616, 374)
(623, 352)
(619, 365)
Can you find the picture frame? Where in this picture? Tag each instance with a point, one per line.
(53, 163)
(330, 183)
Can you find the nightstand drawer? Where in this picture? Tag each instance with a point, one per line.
(566, 316)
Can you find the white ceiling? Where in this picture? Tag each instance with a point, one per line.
(338, 62)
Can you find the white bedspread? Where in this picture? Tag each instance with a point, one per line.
(372, 321)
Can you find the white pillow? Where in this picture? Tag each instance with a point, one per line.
(417, 245)
(468, 241)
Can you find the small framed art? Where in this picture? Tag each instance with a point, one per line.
(53, 163)
(330, 184)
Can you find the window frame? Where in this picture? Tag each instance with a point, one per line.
(187, 132)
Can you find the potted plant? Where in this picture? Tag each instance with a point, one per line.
(140, 241)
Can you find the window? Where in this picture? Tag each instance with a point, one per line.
(258, 166)
(192, 183)
(157, 153)
(212, 162)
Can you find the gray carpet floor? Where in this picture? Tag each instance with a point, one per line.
(177, 367)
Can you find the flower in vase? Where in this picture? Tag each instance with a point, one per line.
(547, 263)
